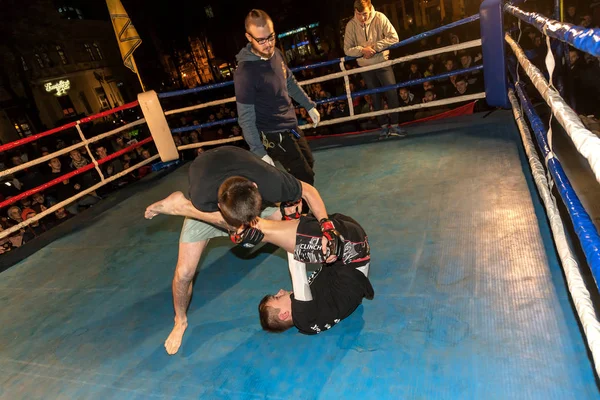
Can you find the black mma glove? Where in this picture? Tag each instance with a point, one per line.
(248, 238)
(295, 215)
(335, 241)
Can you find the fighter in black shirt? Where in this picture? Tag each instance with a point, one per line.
(331, 293)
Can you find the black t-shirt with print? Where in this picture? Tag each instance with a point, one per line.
(211, 168)
(337, 289)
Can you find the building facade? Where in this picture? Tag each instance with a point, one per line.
(62, 68)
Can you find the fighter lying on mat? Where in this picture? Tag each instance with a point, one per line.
(331, 293)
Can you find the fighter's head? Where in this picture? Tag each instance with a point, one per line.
(260, 33)
(239, 201)
(275, 312)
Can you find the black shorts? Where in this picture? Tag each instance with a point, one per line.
(308, 241)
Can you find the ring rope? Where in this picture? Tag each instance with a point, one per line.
(584, 39)
(575, 283)
(585, 141)
(68, 201)
(20, 142)
(78, 171)
(401, 43)
(345, 73)
(69, 149)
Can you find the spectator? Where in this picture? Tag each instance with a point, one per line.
(414, 72)
(14, 215)
(428, 98)
(110, 168)
(571, 16)
(34, 229)
(68, 188)
(380, 34)
(406, 99)
(462, 87)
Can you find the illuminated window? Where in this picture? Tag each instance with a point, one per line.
(88, 49)
(38, 59)
(47, 60)
(98, 51)
(61, 54)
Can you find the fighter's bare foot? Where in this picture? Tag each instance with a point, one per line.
(170, 205)
(173, 342)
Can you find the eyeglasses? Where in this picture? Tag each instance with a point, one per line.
(261, 41)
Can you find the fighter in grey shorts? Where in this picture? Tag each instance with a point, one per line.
(231, 179)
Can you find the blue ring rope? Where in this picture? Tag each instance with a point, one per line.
(344, 97)
(330, 62)
(584, 39)
(401, 43)
(402, 84)
(584, 227)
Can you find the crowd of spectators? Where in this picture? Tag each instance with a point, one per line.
(57, 167)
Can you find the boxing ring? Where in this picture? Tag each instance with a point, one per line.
(477, 292)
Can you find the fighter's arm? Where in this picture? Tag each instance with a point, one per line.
(213, 218)
(299, 279)
(312, 197)
(332, 241)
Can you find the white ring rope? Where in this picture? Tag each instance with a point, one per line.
(585, 141)
(63, 203)
(210, 143)
(199, 106)
(69, 149)
(335, 75)
(87, 147)
(434, 103)
(577, 288)
(415, 56)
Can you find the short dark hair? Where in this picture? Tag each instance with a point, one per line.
(257, 18)
(461, 78)
(239, 201)
(269, 317)
(362, 5)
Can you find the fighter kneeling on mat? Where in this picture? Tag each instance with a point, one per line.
(332, 292)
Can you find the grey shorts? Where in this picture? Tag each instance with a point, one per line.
(195, 231)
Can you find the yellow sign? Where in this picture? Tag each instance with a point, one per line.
(61, 87)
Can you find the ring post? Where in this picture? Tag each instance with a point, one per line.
(159, 128)
(494, 58)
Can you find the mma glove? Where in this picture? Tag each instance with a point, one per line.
(294, 215)
(248, 238)
(335, 241)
